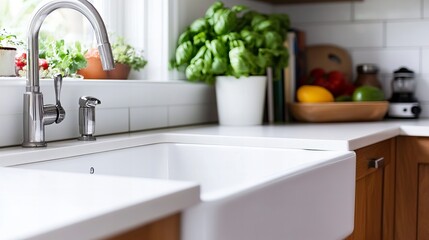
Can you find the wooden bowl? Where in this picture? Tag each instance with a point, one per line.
(339, 111)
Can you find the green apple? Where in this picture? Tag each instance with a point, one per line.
(368, 93)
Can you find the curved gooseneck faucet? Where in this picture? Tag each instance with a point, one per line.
(37, 115)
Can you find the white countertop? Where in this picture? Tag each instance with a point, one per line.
(326, 136)
(49, 205)
(52, 205)
(322, 136)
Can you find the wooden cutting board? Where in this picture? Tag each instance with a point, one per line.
(329, 58)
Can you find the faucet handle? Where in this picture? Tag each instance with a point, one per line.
(88, 101)
(58, 83)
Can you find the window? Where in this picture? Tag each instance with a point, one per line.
(63, 23)
(152, 31)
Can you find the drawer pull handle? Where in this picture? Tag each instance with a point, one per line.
(376, 163)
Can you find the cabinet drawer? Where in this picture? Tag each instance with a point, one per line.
(377, 151)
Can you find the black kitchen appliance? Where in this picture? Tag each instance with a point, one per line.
(403, 103)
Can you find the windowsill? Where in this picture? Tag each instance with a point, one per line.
(21, 81)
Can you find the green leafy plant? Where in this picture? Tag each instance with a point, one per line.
(126, 54)
(9, 40)
(62, 58)
(231, 41)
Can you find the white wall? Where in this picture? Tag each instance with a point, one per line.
(389, 33)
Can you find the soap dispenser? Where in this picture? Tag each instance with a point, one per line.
(87, 117)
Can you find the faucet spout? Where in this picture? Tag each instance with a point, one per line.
(39, 15)
(36, 114)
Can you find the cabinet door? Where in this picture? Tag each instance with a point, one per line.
(412, 189)
(374, 206)
(164, 229)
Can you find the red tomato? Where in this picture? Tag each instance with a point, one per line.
(23, 56)
(20, 64)
(43, 63)
(317, 72)
(349, 88)
(21, 60)
(334, 82)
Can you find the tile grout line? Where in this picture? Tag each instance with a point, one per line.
(384, 34)
(168, 115)
(129, 119)
(421, 60)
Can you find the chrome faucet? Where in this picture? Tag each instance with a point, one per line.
(37, 115)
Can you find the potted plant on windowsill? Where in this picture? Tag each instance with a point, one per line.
(8, 44)
(233, 47)
(55, 56)
(126, 58)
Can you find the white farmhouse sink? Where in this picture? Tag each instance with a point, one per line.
(247, 193)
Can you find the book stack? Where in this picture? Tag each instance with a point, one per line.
(281, 91)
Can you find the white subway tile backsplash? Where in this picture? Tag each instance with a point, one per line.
(425, 61)
(68, 128)
(114, 120)
(10, 94)
(148, 117)
(387, 9)
(107, 121)
(406, 34)
(422, 88)
(425, 9)
(324, 12)
(191, 114)
(349, 35)
(148, 96)
(175, 93)
(197, 93)
(112, 93)
(388, 59)
(425, 109)
(146, 102)
(11, 133)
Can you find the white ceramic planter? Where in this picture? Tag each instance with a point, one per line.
(7, 62)
(240, 102)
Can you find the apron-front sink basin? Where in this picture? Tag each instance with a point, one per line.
(246, 192)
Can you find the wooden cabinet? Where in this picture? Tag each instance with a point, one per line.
(412, 189)
(164, 229)
(374, 207)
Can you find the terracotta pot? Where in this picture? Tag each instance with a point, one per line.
(93, 70)
(121, 71)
